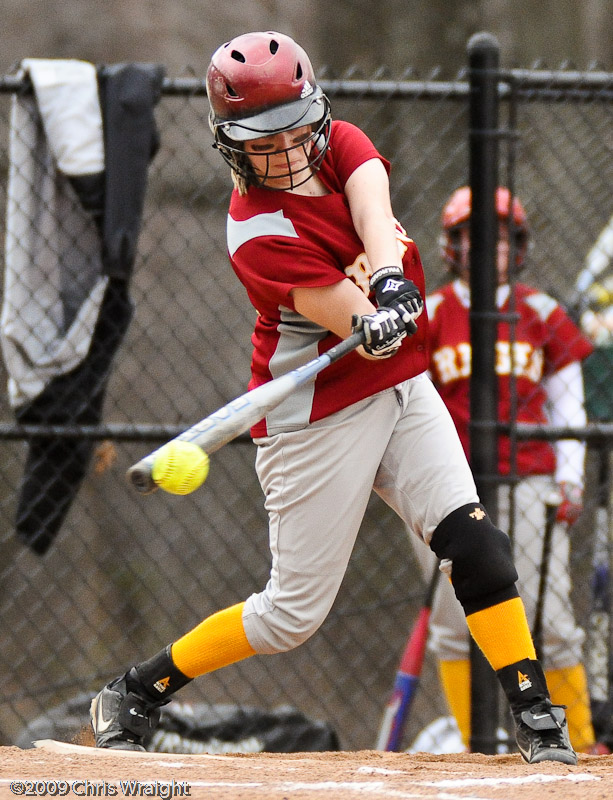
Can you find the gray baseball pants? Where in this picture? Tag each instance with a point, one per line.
(317, 482)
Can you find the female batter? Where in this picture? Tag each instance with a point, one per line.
(312, 237)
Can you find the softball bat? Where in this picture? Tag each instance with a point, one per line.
(408, 674)
(240, 414)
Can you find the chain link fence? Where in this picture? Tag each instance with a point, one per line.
(126, 574)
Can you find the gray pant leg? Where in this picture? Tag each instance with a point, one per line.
(424, 475)
(562, 637)
(317, 483)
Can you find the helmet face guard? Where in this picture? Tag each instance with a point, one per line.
(232, 147)
(456, 215)
(259, 85)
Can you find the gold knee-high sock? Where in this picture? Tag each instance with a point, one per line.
(568, 687)
(455, 680)
(502, 633)
(216, 642)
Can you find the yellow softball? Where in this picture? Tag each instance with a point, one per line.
(180, 467)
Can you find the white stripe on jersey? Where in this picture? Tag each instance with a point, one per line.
(542, 303)
(274, 224)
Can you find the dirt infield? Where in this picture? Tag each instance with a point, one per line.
(300, 776)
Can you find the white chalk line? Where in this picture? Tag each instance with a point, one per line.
(380, 788)
(455, 783)
(332, 787)
(367, 787)
(380, 771)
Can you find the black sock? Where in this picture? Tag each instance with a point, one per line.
(524, 684)
(157, 678)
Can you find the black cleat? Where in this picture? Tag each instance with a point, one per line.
(121, 719)
(542, 734)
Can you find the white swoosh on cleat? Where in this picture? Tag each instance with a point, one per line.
(101, 724)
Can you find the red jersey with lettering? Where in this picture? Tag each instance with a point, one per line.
(545, 341)
(278, 241)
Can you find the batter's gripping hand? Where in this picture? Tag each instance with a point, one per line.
(383, 331)
(571, 506)
(393, 290)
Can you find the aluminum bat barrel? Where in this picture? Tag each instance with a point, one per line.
(240, 414)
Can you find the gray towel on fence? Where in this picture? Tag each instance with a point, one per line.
(80, 149)
(53, 281)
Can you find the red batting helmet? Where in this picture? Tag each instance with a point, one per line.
(260, 84)
(456, 213)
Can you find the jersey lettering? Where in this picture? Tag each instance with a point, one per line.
(453, 363)
(360, 271)
(465, 357)
(404, 240)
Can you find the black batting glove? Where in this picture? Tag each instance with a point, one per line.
(393, 290)
(383, 331)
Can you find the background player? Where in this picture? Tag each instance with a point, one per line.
(312, 237)
(545, 353)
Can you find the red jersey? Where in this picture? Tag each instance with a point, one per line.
(545, 340)
(278, 241)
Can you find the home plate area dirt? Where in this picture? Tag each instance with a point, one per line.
(298, 776)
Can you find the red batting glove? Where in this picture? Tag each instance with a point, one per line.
(571, 506)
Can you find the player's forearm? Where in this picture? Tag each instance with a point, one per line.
(332, 306)
(367, 192)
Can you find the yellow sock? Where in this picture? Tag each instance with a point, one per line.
(455, 680)
(216, 642)
(502, 633)
(568, 687)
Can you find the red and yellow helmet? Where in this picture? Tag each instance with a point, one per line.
(456, 214)
(260, 84)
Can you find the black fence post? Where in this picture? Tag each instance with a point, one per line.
(483, 57)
